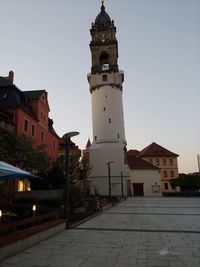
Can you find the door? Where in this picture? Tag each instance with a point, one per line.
(138, 189)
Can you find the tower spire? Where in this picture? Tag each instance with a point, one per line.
(102, 5)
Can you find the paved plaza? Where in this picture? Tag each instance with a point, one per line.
(152, 231)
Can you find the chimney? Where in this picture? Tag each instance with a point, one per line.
(11, 76)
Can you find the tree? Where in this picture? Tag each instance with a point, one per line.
(85, 168)
(19, 151)
(74, 168)
(187, 182)
(54, 178)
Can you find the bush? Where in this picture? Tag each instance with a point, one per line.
(75, 197)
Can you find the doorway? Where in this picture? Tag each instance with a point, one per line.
(138, 189)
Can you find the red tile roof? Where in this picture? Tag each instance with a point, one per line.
(139, 164)
(155, 150)
(133, 152)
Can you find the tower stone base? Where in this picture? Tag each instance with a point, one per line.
(100, 155)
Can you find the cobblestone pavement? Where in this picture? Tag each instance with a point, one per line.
(153, 232)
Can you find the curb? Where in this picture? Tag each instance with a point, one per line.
(84, 220)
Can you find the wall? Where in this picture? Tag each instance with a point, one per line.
(166, 167)
(16, 247)
(50, 140)
(149, 178)
(41, 194)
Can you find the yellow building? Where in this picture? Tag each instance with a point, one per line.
(165, 160)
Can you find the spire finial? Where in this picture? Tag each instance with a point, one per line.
(102, 4)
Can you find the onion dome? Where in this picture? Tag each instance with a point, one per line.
(103, 19)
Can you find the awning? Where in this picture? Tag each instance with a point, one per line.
(8, 171)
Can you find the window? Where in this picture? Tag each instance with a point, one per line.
(171, 162)
(42, 136)
(157, 162)
(109, 120)
(54, 144)
(104, 109)
(164, 162)
(151, 161)
(172, 174)
(104, 59)
(106, 96)
(25, 125)
(20, 186)
(166, 186)
(41, 115)
(104, 78)
(95, 138)
(165, 174)
(4, 96)
(118, 135)
(33, 130)
(44, 117)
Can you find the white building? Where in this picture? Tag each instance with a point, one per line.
(108, 149)
(144, 179)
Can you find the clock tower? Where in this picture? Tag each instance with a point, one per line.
(108, 149)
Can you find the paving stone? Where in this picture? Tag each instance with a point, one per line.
(122, 238)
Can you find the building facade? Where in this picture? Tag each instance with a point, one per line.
(144, 178)
(166, 161)
(108, 149)
(27, 113)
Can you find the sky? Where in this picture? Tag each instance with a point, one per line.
(46, 44)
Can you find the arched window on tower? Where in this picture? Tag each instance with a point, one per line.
(104, 61)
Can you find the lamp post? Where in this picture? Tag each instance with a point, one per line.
(109, 179)
(67, 138)
(122, 184)
(34, 210)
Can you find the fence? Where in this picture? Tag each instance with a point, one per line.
(14, 231)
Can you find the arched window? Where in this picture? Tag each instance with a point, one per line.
(104, 59)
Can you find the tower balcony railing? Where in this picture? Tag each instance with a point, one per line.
(121, 73)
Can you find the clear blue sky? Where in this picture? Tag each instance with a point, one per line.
(46, 44)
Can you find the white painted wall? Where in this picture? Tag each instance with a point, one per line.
(102, 153)
(107, 104)
(108, 136)
(149, 178)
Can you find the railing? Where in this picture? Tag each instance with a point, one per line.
(14, 231)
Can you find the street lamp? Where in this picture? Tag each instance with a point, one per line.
(67, 137)
(122, 184)
(109, 180)
(34, 210)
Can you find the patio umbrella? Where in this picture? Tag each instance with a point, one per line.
(8, 171)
